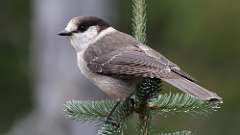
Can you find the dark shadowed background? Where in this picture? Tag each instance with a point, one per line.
(38, 72)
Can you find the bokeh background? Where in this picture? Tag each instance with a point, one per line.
(38, 71)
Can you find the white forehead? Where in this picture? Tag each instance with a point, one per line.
(71, 26)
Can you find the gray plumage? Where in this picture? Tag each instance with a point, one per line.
(118, 54)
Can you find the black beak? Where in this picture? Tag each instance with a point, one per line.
(65, 33)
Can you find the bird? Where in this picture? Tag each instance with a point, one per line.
(116, 62)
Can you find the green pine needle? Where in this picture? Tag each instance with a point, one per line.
(181, 103)
(185, 132)
(88, 110)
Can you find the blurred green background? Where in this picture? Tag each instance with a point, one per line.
(201, 36)
(15, 74)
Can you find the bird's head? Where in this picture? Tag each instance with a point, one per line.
(83, 30)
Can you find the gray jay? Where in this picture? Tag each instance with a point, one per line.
(116, 62)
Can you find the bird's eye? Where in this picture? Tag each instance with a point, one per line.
(82, 28)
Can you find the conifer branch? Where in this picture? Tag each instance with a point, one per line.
(181, 103)
(163, 105)
(144, 123)
(88, 111)
(148, 88)
(139, 20)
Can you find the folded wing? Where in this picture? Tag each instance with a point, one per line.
(134, 62)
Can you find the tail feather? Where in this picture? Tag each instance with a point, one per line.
(192, 88)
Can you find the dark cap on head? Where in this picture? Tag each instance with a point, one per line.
(82, 23)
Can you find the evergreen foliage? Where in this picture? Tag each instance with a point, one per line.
(113, 119)
(88, 111)
(139, 20)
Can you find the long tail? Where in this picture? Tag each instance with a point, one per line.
(193, 89)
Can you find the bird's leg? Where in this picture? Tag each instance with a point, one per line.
(113, 109)
(127, 101)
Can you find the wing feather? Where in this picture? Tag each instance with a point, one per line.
(131, 62)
